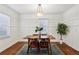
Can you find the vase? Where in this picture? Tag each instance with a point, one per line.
(61, 41)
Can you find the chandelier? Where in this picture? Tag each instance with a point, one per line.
(39, 10)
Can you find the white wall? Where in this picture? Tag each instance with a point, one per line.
(30, 21)
(71, 18)
(14, 34)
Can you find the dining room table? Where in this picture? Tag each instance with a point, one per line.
(34, 41)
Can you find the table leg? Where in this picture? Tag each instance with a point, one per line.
(28, 46)
(49, 48)
(28, 50)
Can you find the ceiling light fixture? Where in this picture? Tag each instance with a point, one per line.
(39, 10)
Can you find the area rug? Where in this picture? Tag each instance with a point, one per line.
(54, 50)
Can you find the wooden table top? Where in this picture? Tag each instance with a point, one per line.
(36, 36)
(33, 37)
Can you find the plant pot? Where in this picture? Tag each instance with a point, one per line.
(61, 41)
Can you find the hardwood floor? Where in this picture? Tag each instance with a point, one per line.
(67, 49)
(13, 49)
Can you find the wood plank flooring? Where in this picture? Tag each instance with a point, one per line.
(67, 49)
(13, 49)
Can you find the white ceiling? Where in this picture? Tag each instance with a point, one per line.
(47, 8)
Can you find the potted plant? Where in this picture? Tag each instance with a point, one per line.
(39, 29)
(62, 29)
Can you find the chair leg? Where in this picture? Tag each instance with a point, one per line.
(48, 50)
(38, 48)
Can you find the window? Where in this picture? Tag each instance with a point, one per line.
(44, 24)
(4, 25)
